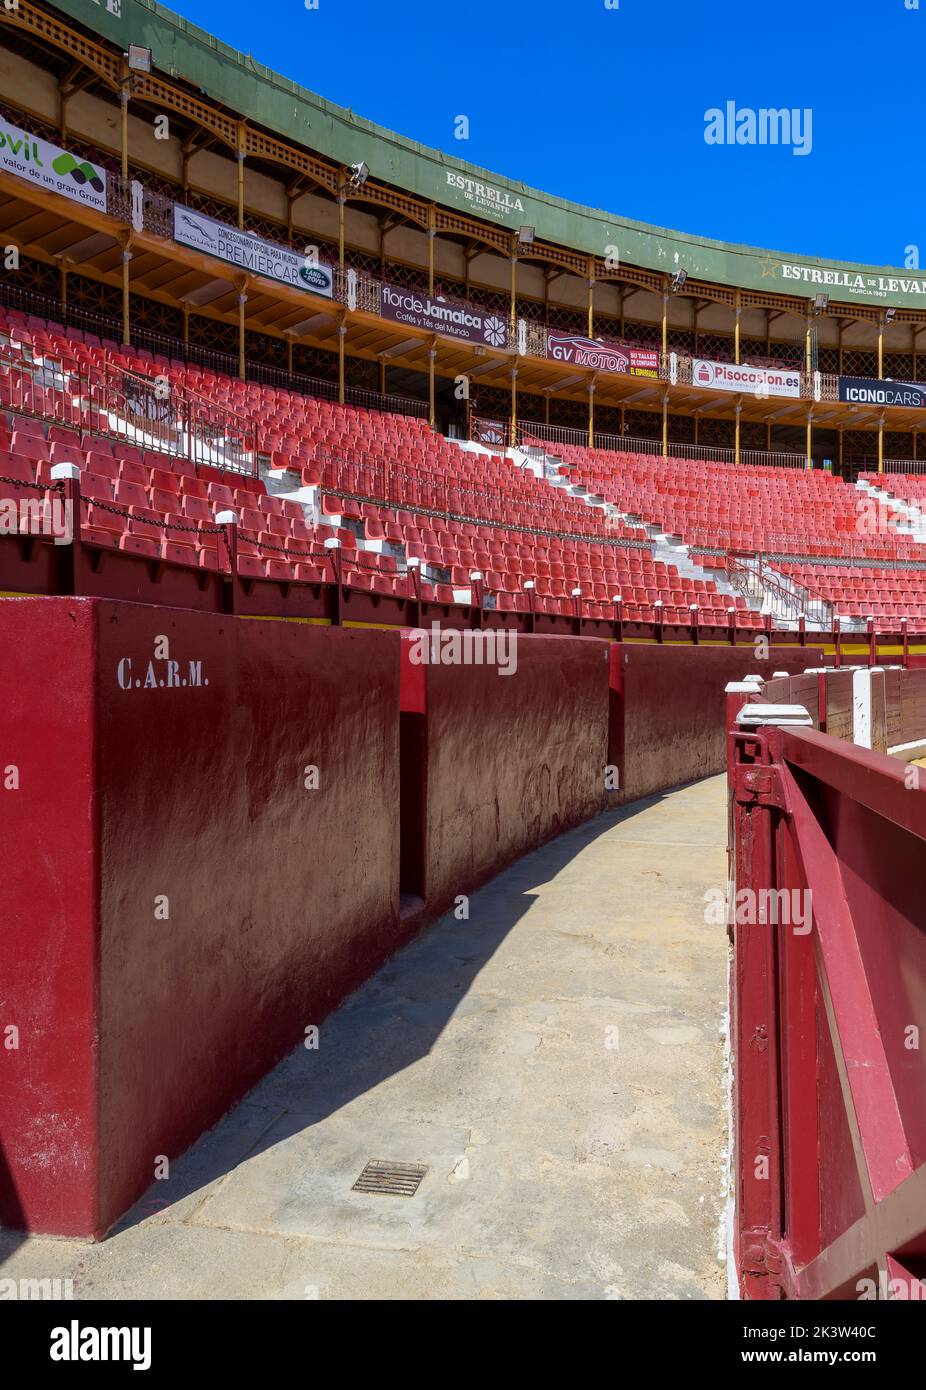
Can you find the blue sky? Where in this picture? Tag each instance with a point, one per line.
(607, 106)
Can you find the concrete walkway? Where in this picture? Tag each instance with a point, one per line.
(556, 1062)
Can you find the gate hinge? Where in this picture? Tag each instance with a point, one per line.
(759, 784)
(762, 1253)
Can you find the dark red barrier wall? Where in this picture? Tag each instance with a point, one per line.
(511, 760)
(668, 723)
(280, 899)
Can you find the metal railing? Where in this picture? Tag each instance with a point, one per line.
(109, 399)
(531, 434)
(109, 329)
(752, 577)
(828, 981)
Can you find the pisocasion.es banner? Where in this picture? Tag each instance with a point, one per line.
(251, 252)
(865, 391)
(49, 166)
(750, 381)
(451, 317)
(602, 356)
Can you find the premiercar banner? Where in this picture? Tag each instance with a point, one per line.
(866, 391)
(451, 317)
(49, 166)
(749, 381)
(252, 253)
(602, 356)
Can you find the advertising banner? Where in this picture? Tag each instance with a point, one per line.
(251, 253)
(865, 391)
(749, 381)
(451, 317)
(49, 166)
(602, 356)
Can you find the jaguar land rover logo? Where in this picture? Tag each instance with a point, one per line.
(315, 277)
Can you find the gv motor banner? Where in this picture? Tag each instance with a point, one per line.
(865, 391)
(451, 317)
(601, 356)
(251, 252)
(751, 381)
(49, 166)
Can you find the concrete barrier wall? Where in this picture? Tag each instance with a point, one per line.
(669, 714)
(511, 760)
(180, 906)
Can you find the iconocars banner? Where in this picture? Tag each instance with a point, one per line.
(865, 391)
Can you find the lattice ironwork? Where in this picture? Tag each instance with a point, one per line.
(643, 424)
(753, 435)
(681, 429)
(719, 432)
(859, 362)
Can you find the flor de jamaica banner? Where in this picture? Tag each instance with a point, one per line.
(251, 252)
(865, 391)
(451, 317)
(602, 356)
(49, 166)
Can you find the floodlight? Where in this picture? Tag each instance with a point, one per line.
(138, 58)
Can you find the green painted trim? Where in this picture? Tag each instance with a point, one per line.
(181, 50)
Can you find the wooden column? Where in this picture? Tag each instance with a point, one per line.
(431, 235)
(342, 334)
(240, 154)
(126, 315)
(591, 296)
(242, 301)
(124, 120)
(432, 354)
(736, 330)
(591, 415)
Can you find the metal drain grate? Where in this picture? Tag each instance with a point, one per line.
(390, 1179)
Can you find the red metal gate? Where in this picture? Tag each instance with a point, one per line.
(828, 1018)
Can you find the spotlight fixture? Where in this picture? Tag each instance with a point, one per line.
(678, 279)
(821, 303)
(359, 173)
(138, 58)
(890, 315)
(525, 235)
